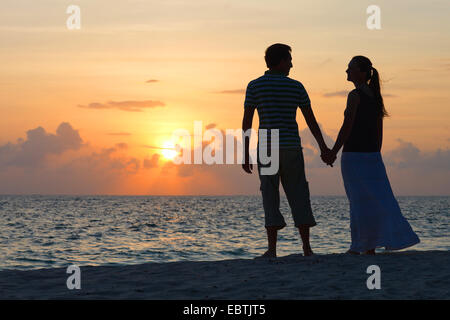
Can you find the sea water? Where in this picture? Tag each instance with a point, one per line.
(40, 231)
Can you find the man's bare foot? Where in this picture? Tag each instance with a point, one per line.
(307, 251)
(267, 254)
(352, 252)
(370, 252)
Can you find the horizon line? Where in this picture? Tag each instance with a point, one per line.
(194, 195)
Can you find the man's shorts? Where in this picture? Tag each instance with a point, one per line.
(292, 174)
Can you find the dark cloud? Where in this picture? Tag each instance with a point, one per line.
(210, 126)
(132, 106)
(407, 155)
(157, 148)
(119, 134)
(122, 145)
(236, 91)
(324, 62)
(33, 150)
(104, 160)
(60, 163)
(152, 162)
(343, 93)
(230, 178)
(406, 166)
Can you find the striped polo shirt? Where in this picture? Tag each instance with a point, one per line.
(277, 97)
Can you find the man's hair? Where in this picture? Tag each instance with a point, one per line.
(275, 53)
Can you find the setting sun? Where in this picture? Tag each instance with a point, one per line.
(168, 150)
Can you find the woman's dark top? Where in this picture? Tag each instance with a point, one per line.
(364, 134)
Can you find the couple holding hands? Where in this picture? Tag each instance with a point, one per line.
(375, 216)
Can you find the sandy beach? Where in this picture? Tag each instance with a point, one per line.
(404, 275)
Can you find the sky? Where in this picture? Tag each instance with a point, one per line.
(88, 111)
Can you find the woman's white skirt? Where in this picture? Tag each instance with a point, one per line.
(375, 216)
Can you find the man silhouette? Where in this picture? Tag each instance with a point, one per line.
(277, 97)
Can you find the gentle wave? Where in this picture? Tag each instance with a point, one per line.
(55, 231)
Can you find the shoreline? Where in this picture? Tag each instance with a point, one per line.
(404, 275)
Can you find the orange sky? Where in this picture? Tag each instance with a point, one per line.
(202, 54)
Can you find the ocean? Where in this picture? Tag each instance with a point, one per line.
(40, 231)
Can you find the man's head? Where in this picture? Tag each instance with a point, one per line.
(278, 58)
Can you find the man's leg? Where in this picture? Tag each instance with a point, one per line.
(304, 234)
(296, 188)
(274, 220)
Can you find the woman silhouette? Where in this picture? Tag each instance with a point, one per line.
(375, 216)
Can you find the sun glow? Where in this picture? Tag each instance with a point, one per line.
(168, 150)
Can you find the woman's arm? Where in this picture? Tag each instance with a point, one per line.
(349, 118)
(380, 133)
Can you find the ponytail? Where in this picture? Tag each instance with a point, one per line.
(374, 84)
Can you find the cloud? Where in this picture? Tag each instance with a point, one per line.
(416, 172)
(324, 62)
(153, 162)
(38, 145)
(151, 81)
(119, 134)
(230, 178)
(156, 147)
(210, 126)
(122, 145)
(407, 156)
(236, 91)
(132, 106)
(411, 171)
(61, 163)
(344, 93)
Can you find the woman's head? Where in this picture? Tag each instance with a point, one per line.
(360, 70)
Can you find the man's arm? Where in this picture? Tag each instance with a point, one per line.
(308, 114)
(247, 124)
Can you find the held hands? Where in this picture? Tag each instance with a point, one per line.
(328, 156)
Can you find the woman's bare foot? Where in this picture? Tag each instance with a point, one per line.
(352, 252)
(371, 252)
(268, 254)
